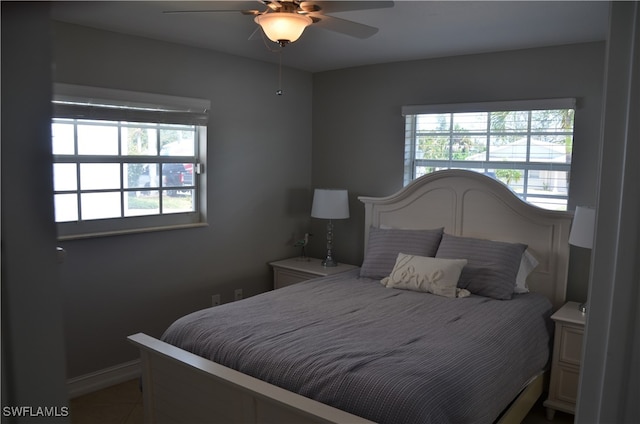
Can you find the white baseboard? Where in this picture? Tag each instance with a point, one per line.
(101, 379)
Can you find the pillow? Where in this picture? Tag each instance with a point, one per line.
(385, 244)
(425, 274)
(492, 265)
(528, 263)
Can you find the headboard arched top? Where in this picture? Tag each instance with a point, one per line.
(470, 204)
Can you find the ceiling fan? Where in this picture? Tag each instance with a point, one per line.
(284, 21)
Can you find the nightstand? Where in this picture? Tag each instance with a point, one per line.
(567, 357)
(294, 270)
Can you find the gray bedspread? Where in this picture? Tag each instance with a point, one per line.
(388, 355)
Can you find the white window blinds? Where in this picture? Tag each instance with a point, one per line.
(94, 103)
(542, 104)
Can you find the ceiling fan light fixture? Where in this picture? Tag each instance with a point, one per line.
(283, 27)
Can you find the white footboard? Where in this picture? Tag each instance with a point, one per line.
(180, 387)
(520, 407)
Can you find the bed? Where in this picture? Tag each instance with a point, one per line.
(376, 344)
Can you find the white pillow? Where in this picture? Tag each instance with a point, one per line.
(426, 274)
(527, 264)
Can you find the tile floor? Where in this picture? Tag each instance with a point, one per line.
(119, 404)
(538, 415)
(122, 404)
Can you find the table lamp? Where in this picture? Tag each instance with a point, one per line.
(330, 204)
(581, 234)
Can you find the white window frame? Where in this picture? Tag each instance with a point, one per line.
(78, 104)
(412, 163)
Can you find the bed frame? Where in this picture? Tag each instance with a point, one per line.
(182, 387)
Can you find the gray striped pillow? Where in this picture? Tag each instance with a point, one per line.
(385, 244)
(492, 266)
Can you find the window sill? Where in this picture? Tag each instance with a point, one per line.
(132, 231)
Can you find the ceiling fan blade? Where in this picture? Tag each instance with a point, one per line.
(208, 11)
(345, 6)
(343, 26)
(220, 6)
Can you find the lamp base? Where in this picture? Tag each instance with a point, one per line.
(329, 262)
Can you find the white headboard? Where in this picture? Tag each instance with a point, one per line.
(470, 204)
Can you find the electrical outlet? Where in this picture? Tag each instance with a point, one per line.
(215, 300)
(238, 294)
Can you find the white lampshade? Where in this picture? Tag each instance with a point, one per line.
(584, 220)
(330, 204)
(283, 27)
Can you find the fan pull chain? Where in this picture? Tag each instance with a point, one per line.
(279, 90)
(268, 44)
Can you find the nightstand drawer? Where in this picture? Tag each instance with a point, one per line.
(285, 277)
(568, 379)
(294, 270)
(571, 345)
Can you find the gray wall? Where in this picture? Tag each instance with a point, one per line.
(358, 131)
(33, 358)
(258, 181)
(261, 170)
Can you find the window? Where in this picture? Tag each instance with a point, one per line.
(126, 161)
(525, 144)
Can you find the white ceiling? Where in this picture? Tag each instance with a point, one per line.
(409, 30)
